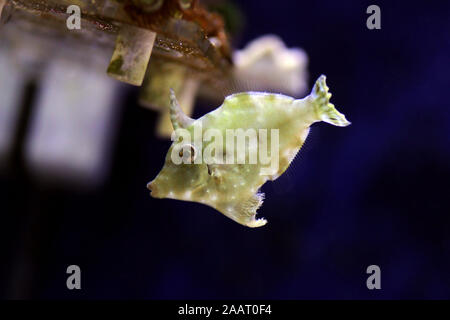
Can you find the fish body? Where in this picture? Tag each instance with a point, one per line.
(227, 175)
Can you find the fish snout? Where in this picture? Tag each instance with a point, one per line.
(152, 187)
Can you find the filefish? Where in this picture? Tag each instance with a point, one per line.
(232, 187)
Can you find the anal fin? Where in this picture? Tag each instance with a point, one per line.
(245, 212)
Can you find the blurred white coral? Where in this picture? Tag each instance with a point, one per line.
(266, 64)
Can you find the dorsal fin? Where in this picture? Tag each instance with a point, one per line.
(177, 116)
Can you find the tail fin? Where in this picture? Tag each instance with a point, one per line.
(325, 110)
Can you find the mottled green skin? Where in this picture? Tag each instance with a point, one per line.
(232, 189)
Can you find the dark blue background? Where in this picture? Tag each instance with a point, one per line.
(376, 192)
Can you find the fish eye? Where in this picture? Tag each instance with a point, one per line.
(188, 151)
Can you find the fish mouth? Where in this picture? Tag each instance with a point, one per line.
(152, 187)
